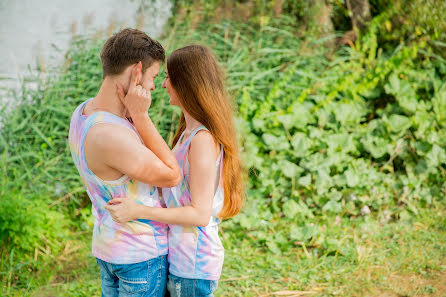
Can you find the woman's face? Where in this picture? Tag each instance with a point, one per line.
(173, 95)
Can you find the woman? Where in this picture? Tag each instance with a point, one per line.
(205, 147)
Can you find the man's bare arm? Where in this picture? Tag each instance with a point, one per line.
(119, 149)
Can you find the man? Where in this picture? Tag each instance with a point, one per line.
(116, 158)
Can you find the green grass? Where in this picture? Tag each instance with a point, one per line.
(398, 258)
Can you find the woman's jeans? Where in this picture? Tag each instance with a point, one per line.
(186, 287)
(142, 279)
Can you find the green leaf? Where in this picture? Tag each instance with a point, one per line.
(273, 247)
(439, 104)
(301, 115)
(301, 144)
(422, 147)
(287, 120)
(436, 156)
(258, 124)
(290, 208)
(305, 180)
(403, 92)
(245, 221)
(422, 121)
(332, 206)
(352, 178)
(290, 169)
(303, 234)
(296, 233)
(342, 142)
(276, 142)
(376, 146)
(399, 123)
(348, 114)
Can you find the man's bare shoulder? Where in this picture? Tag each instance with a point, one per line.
(106, 135)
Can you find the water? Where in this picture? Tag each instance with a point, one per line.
(38, 32)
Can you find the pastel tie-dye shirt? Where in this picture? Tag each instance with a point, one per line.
(128, 243)
(194, 252)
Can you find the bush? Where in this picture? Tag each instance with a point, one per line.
(27, 224)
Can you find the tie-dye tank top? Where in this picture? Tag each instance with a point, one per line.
(194, 252)
(128, 243)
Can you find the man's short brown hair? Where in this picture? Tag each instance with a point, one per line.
(127, 47)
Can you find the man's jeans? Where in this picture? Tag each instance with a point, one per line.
(143, 279)
(186, 287)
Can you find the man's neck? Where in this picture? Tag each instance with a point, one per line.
(107, 99)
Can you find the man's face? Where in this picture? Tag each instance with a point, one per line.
(146, 80)
(149, 75)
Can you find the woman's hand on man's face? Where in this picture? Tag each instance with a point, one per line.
(123, 210)
(137, 100)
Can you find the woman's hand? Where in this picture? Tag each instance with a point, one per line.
(137, 100)
(123, 210)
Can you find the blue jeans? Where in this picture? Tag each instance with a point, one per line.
(134, 280)
(187, 287)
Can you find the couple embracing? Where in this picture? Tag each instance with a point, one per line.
(157, 211)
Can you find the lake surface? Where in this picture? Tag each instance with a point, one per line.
(34, 32)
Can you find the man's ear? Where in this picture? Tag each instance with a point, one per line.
(126, 76)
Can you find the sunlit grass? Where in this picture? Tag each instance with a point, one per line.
(402, 258)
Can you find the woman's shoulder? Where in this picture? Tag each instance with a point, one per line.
(204, 138)
(204, 144)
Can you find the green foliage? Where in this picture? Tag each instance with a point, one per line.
(330, 135)
(25, 222)
(408, 21)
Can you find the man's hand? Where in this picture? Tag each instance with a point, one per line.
(137, 100)
(123, 210)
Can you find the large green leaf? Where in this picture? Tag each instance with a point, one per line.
(290, 169)
(403, 92)
(276, 142)
(376, 146)
(436, 156)
(348, 114)
(301, 145)
(398, 123)
(303, 234)
(439, 104)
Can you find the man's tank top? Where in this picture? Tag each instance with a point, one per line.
(128, 243)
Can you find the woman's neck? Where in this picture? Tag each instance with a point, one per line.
(191, 123)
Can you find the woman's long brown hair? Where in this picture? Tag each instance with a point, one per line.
(196, 76)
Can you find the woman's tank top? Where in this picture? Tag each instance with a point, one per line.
(194, 252)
